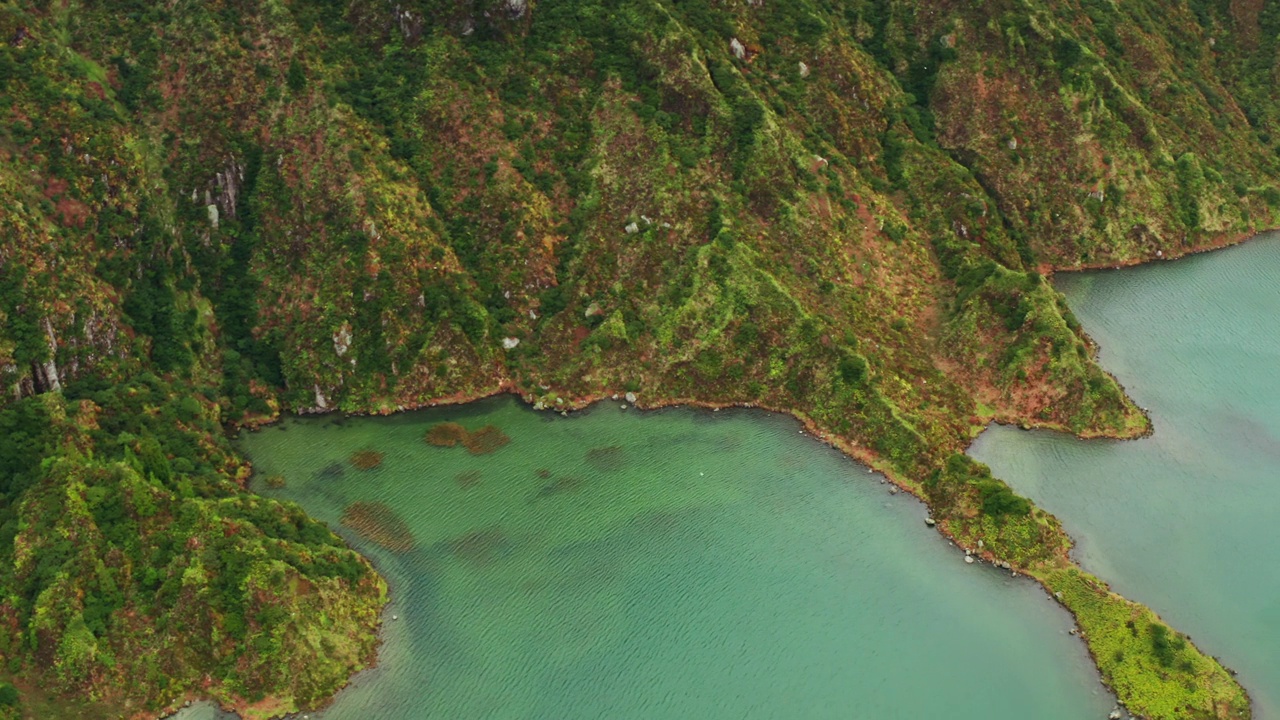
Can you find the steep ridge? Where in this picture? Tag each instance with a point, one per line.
(221, 211)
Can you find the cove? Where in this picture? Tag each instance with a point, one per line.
(669, 564)
(1184, 521)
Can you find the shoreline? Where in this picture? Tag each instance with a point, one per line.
(1221, 241)
(850, 448)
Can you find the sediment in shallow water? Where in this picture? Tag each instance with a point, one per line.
(378, 523)
(608, 458)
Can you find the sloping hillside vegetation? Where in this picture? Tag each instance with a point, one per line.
(218, 211)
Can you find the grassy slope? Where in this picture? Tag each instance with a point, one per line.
(849, 221)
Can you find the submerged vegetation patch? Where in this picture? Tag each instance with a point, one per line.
(378, 523)
(366, 459)
(563, 484)
(478, 442)
(467, 479)
(486, 440)
(446, 434)
(608, 459)
(332, 471)
(480, 547)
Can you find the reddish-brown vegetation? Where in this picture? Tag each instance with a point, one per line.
(485, 440)
(478, 442)
(366, 459)
(446, 434)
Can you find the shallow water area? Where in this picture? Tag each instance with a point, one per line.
(1185, 520)
(670, 564)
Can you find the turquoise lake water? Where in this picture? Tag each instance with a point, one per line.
(672, 564)
(1187, 520)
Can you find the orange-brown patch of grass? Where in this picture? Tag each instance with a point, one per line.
(378, 523)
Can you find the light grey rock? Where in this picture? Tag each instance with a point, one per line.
(49, 369)
(342, 340)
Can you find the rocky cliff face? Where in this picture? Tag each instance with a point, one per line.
(844, 209)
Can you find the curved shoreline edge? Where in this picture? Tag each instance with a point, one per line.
(1089, 600)
(1067, 583)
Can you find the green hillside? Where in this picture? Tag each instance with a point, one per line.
(215, 212)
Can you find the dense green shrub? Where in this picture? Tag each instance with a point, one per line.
(998, 500)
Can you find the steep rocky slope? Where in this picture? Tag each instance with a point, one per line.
(845, 210)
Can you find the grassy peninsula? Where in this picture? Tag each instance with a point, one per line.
(216, 212)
